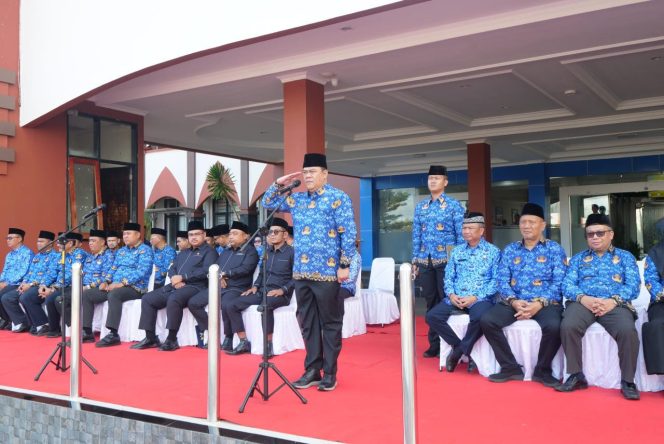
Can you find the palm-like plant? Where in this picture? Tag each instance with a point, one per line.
(220, 183)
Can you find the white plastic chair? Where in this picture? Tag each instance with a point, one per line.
(379, 302)
(354, 322)
(287, 335)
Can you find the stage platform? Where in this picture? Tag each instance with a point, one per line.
(366, 407)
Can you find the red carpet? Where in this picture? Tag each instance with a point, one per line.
(365, 407)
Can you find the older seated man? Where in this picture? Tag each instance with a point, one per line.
(17, 263)
(530, 275)
(470, 284)
(163, 255)
(600, 284)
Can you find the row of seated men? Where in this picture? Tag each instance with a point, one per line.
(31, 280)
(531, 279)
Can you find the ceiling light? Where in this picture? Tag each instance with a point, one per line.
(657, 58)
(465, 85)
(504, 107)
(346, 28)
(569, 92)
(419, 155)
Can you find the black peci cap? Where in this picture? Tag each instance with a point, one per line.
(237, 225)
(598, 219)
(46, 235)
(315, 160)
(532, 209)
(131, 226)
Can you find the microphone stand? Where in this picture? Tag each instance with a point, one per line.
(61, 347)
(265, 364)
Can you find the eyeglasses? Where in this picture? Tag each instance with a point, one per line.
(600, 233)
(275, 232)
(13, 237)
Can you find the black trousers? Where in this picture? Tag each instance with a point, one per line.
(174, 300)
(232, 320)
(12, 308)
(432, 280)
(115, 299)
(54, 318)
(619, 323)
(196, 306)
(437, 319)
(234, 309)
(321, 312)
(3, 314)
(32, 303)
(502, 315)
(656, 312)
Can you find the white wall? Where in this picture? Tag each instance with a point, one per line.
(70, 47)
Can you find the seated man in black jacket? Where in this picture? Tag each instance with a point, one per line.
(278, 263)
(188, 275)
(236, 268)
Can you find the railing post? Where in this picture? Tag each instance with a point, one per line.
(213, 344)
(75, 331)
(408, 355)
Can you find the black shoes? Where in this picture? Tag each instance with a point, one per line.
(328, 383)
(243, 346)
(453, 359)
(146, 343)
(88, 337)
(22, 328)
(169, 345)
(3, 324)
(629, 391)
(576, 381)
(507, 375)
(109, 340)
(472, 366)
(55, 334)
(227, 345)
(545, 379)
(432, 352)
(310, 377)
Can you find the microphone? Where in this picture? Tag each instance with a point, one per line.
(296, 183)
(94, 210)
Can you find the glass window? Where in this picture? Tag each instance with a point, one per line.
(84, 192)
(117, 193)
(221, 211)
(81, 136)
(116, 140)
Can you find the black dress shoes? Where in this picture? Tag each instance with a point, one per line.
(22, 328)
(328, 383)
(546, 379)
(109, 340)
(472, 366)
(227, 345)
(507, 375)
(432, 352)
(576, 381)
(3, 324)
(146, 343)
(88, 337)
(243, 346)
(53, 334)
(629, 391)
(169, 345)
(310, 377)
(453, 359)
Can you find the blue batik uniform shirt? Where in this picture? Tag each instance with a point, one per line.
(219, 249)
(355, 270)
(472, 271)
(653, 281)
(77, 255)
(532, 274)
(96, 267)
(43, 269)
(17, 264)
(132, 267)
(163, 259)
(324, 230)
(436, 229)
(613, 275)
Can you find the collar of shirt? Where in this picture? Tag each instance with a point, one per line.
(319, 191)
(611, 251)
(542, 241)
(440, 198)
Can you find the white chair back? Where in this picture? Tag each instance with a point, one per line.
(382, 274)
(643, 299)
(151, 281)
(358, 283)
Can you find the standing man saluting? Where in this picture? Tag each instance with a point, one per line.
(436, 230)
(325, 232)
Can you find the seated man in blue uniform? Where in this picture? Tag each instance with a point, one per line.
(436, 231)
(127, 280)
(17, 263)
(653, 278)
(188, 276)
(325, 235)
(278, 281)
(236, 268)
(113, 241)
(163, 255)
(470, 286)
(220, 235)
(33, 302)
(43, 271)
(530, 276)
(600, 284)
(95, 268)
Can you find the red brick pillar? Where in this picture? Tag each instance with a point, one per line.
(479, 183)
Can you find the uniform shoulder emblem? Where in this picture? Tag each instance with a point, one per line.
(616, 259)
(290, 201)
(336, 203)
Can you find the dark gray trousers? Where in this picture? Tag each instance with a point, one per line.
(174, 300)
(115, 299)
(619, 323)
